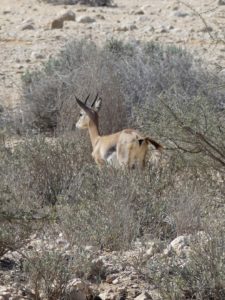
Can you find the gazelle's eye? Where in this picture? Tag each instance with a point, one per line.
(81, 115)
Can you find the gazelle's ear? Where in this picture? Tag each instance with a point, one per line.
(98, 104)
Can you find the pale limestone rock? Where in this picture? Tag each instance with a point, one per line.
(181, 245)
(143, 296)
(85, 19)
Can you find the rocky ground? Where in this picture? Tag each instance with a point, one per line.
(125, 276)
(31, 31)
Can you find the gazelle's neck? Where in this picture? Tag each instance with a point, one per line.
(93, 132)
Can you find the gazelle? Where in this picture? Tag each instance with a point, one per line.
(124, 148)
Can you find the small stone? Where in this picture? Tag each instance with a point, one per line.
(162, 29)
(28, 26)
(132, 27)
(139, 12)
(85, 19)
(100, 17)
(36, 55)
(181, 14)
(57, 24)
(6, 11)
(81, 9)
(143, 296)
(206, 29)
(143, 19)
(110, 278)
(122, 28)
(180, 245)
(115, 281)
(175, 7)
(104, 295)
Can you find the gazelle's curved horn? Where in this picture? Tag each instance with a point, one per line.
(85, 102)
(81, 104)
(93, 103)
(88, 110)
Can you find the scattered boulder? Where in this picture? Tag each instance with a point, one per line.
(181, 245)
(28, 25)
(57, 23)
(85, 19)
(221, 2)
(69, 15)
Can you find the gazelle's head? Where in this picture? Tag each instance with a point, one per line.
(88, 113)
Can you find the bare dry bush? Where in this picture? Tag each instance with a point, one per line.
(48, 273)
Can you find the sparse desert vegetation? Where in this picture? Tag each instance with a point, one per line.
(50, 186)
(71, 230)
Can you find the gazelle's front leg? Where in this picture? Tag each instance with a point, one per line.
(99, 161)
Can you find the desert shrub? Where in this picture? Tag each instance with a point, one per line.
(200, 276)
(14, 234)
(51, 179)
(85, 2)
(162, 90)
(39, 170)
(51, 98)
(48, 273)
(160, 203)
(92, 205)
(33, 175)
